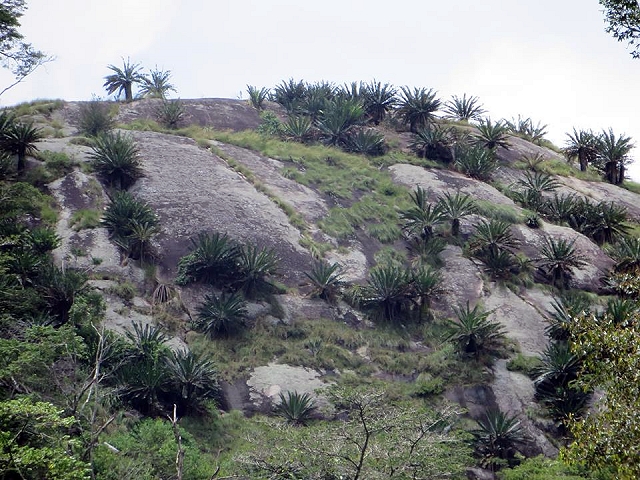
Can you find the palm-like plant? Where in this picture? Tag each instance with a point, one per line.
(465, 108)
(297, 409)
(476, 162)
(473, 333)
(456, 207)
(147, 343)
(612, 154)
(289, 94)
(115, 158)
(156, 85)
(257, 96)
(378, 100)
(604, 222)
(125, 213)
(338, 120)
(221, 315)
(59, 288)
(20, 139)
(297, 128)
(212, 260)
(416, 108)
(558, 259)
(387, 293)
(581, 144)
(500, 264)
(533, 186)
(492, 237)
(423, 216)
(138, 243)
(526, 128)
(170, 113)
(122, 79)
(620, 310)
(326, 280)
(560, 207)
(194, 379)
(564, 310)
(626, 253)
(426, 283)
(255, 265)
(498, 437)
(492, 135)
(433, 142)
(366, 141)
(425, 250)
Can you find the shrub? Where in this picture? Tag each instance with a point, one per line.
(257, 96)
(326, 280)
(476, 162)
(212, 260)
(221, 315)
(95, 118)
(85, 218)
(170, 113)
(367, 142)
(473, 333)
(296, 408)
(115, 159)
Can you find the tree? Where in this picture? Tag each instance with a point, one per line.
(623, 22)
(15, 54)
(156, 85)
(34, 443)
(371, 438)
(122, 79)
(559, 258)
(20, 140)
(612, 153)
(222, 315)
(416, 108)
(456, 207)
(610, 435)
(581, 145)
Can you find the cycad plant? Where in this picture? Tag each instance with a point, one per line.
(115, 157)
(581, 144)
(565, 309)
(526, 128)
(558, 259)
(95, 118)
(455, 207)
(425, 250)
(170, 113)
(492, 135)
(156, 85)
(604, 222)
(559, 208)
(422, 217)
(378, 100)
(257, 96)
(366, 141)
(626, 253)
(387, 293)
(221, 315)
(20, 139)
(476, 162)
(326, 280)
(532, 188)
(59, 288)
(433, 142)
(255, 266)
(338, 120)
(612, 154)
(498, 439)
(212, 260)
(131, 223)
(122, 79)
(417, 107)
(297, 128)
(473, 333)
(193, 378)
(290, 94)
(296, 408)
(492, 237)
(464, 108)
(427, 284)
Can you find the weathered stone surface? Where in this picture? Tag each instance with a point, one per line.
(461, 280)
(267, 382)
(193, 190)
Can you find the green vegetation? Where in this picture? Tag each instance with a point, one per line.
(96, 118)
(86, 218)
(115, 159)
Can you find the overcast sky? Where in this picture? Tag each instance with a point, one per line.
(547, 59)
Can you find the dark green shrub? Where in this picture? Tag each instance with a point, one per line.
(295, 408)
(116, 160)
(476, 162)
(170, 113)
(257, 96)
(367, 142)
(212, 260)
(95, 118)
(221, 315)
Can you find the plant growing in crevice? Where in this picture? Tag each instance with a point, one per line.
(170, 113)
(296, 408)
(326, 280)
(473, 333)
(221, 315)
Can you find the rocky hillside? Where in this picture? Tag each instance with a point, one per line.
(310, 203)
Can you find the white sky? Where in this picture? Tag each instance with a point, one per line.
(547, 59)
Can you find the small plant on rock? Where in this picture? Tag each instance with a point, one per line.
(326, 280)
(221, 315)
(296, 408)
(115, 158)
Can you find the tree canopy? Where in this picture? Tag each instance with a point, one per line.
(16, 55)
(623, 22)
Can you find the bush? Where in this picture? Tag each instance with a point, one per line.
(95, 118)
(170, 113)
(115, 159)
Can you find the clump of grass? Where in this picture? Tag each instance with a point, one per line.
(144, 125)
(84, 219)
(524, 364)
(631, 186)
(503, 213)
(125, 290)
(58, 164)
(38, 106)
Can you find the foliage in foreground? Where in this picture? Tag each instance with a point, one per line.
(371, 438)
